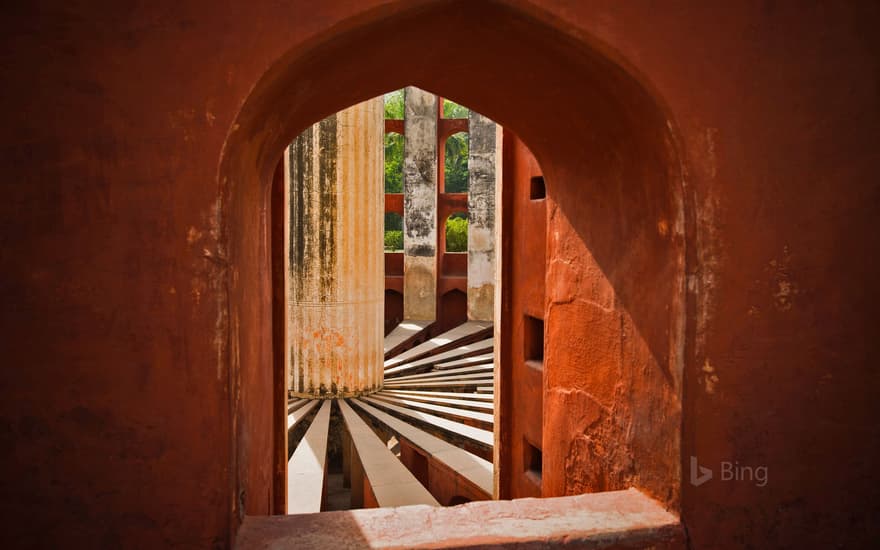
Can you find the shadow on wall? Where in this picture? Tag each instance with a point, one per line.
(452, 310)
(615, 281)
(393, 309)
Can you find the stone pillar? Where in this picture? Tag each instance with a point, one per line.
(335, 261)
(484, 176)
(420, 205)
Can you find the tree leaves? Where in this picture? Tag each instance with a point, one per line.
(393, 240)
(455, 167)
(394, 104)
(393, 163)
(452, 109)
(456, 163)
(456, 233)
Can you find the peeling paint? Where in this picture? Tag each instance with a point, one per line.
(710, 379)
(663, 228)
(193, 235)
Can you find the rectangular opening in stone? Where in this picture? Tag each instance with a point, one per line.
(537, 190)
(532, 461)
(533, 339)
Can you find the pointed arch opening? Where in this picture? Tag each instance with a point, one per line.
(610, 235)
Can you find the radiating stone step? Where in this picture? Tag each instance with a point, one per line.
(468, 465)
(472, 418)
(487, 358)
(484, 437)
(420, 396)
(297, 415)
(464, 333)
(390, 481)
(432, 393)
(305, 469)
(403, 335)
(459, 382)
(441, 373)
(296, 403)
(479, 347)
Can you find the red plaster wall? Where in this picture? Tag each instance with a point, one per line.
(393, 309)
(415, 461)
(524, 227)
(445, 484)
(732, 143)
(453, 265)
(449, 488)
(452, 309)
(279, 341)
(369, 496)
(393, 262)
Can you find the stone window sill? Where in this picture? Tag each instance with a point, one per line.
(613, 519)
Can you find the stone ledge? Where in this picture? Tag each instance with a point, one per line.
(609, 520)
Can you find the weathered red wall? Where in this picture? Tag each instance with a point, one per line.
(444, 483)
(137, 305)
(393, 308)
(452, 308)
(280, 376)
(521, 384)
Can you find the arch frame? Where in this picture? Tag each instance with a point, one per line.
(612, 116)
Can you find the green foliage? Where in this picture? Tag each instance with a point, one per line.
(394, 221)
(393, 163)
(394, 104)
(456, 163)
(394, 108)
(452, 109)
(393, 240)
(456, 233)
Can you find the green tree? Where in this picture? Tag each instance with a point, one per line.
(456, 233)
(393, 221)
(394, 107)
(393, 240)
(394, 104)
(393, 163)
(452, 109)
(393, 232)
(456, 163)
